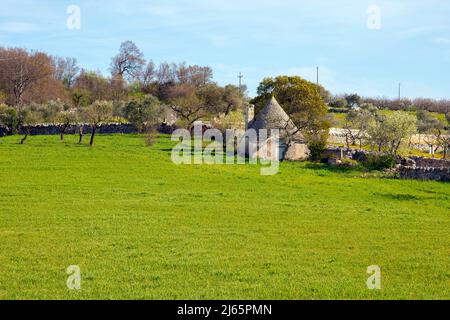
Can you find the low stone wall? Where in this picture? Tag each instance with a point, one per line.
(436, 174)
(111, 128)
(421, 162)
(420, 168)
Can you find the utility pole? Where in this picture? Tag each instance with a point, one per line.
(399, 91)
(317, 75)
(240, 82)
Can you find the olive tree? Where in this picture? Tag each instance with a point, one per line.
(221, 100)
(28, 116)
(353, 100)
(434, 131)
(356, 125)
(96, 114)
(143, 113)
(426, 122)
(13, 120)
(55, 112)
(387, 133)
(65, 118)
(9, 119)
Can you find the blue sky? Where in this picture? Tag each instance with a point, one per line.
(256, 37)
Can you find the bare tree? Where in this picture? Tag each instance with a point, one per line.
(21, 69)
(66, 70)
(149, 73)
(167, 73)
(129, 62)
(198, 75)
(183, 73)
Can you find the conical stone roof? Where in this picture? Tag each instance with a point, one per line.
(274, 117)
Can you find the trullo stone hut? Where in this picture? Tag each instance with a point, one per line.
(292, 144)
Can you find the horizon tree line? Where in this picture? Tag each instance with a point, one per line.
(36, 87)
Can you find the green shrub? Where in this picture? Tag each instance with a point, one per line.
(379, 161)
(317, 149)
(11, 119)
(349, 163)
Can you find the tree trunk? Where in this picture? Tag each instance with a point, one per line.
(18, 99)
(27, 133)
(64, 129)
(80, 132)
(396, 147)
(24, 138)
(347, 142)
(94, 128)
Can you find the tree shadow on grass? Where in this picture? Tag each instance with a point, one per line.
(401, 197)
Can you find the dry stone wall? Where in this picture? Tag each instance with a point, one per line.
(419, 168)
(110, 128)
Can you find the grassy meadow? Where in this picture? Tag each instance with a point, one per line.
(140, 227)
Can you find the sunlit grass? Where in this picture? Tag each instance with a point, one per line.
(140, 227)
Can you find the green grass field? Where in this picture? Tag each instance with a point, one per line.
(140, 227)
